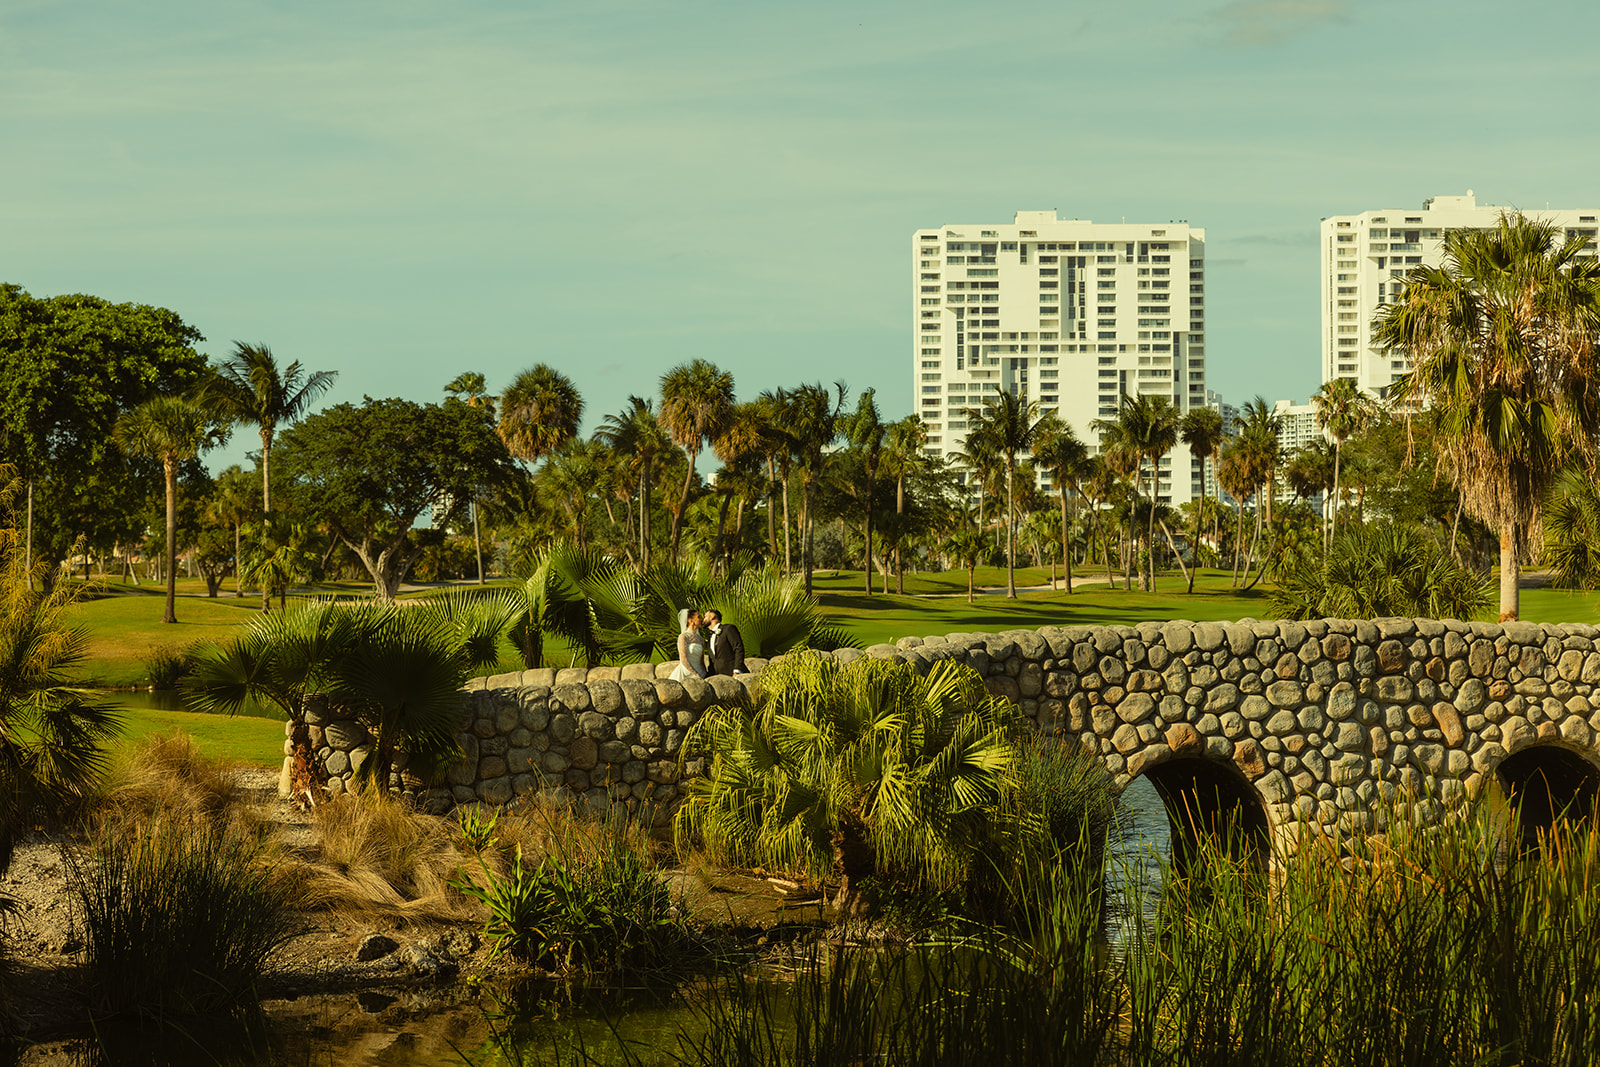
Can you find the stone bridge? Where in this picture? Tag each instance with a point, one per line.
(1282, 723)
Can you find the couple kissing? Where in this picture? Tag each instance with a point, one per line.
(707, 645)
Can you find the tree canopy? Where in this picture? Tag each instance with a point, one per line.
(370, 471)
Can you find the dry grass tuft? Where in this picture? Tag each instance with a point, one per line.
(169, 777)
(377, 857)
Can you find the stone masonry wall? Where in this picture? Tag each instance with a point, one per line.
(1323, 718)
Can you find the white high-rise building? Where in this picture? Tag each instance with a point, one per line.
(1364, 261)
(1297, 425)
(1065, 312)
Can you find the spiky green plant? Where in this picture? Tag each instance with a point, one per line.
(1375, 571)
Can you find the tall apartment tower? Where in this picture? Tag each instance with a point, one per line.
(1068, 313)
(1365, 258)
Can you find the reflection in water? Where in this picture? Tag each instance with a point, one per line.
(1138, 848)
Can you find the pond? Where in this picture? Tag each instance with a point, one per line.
(453, 1025)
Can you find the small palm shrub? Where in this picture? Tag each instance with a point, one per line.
(180, 918)
(1379, 570)
(845, 773)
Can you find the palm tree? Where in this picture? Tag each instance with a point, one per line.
(1058, 450)
(1007, 426)
(235, 502)
(1146, 426)
(904, 456)
(696, 403)
(811, 421)
(740, 441)
(1202, 430)
(1258, 458)
(473, 388)
(250, 388)
(539, 412)
(1342, 410)
(637, 435)
(1501, 337)
(568, 480)
(53, 736)
(866, 433)
(396, 670)
(170, 429)
(970, 548)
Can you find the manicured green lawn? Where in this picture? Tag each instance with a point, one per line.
(123, 629)
(241, 738)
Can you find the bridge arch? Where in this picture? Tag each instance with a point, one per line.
(1549, 780)
(1210, 799)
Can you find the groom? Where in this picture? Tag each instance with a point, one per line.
(727, 647)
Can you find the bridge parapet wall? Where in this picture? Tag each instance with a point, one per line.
(1325, 718)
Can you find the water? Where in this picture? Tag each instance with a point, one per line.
(1136, 850)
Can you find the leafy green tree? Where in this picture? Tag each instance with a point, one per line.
(70, 366)
(53, 735)
(170, 429)
(236, 499)
(1342, 409)
(1202, 430)
(696, 404)
(368, 473)
(1501, 337)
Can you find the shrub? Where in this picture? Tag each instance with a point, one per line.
(1375, 571)
(169, 775)
(180, 918)
(605, 912)
(168, 665)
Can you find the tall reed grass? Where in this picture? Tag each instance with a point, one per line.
(180, 918)
(1427, 946)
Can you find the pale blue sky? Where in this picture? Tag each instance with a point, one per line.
(403, 190)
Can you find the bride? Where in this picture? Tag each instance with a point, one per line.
(691, 647)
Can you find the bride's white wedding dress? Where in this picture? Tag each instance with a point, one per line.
(692, 651)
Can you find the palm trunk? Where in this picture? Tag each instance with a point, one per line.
(683, 506)
(238, 563)
(266, 472)
(1455, 528)
(1255, 543)
(871, 477)
(477, 539)
(1179, 556)
(1238, 542)
(1199, 524)
(1011, 526)
(899, 555)
(807, 532)
(27, 552)
(772, 516)
(969, 583)
(788, 556)
(1509, 573)
(646, 484)
(170, 468)
(1333, 513)
(1150, 526)
(1066, 543)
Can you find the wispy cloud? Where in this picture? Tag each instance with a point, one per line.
(1264, 22)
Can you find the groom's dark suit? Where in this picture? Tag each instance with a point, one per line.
(727, 651)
